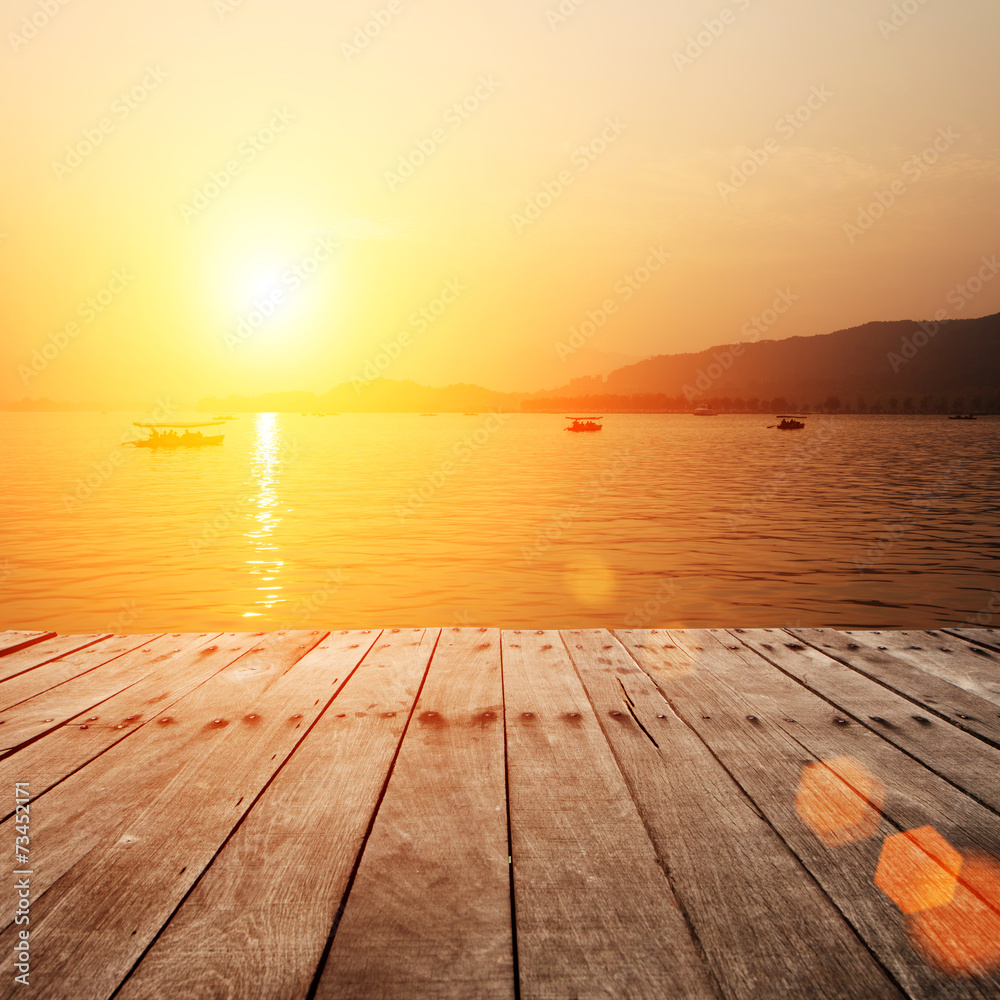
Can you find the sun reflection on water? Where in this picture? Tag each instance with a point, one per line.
(265, 461)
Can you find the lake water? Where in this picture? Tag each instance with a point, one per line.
(366, 520)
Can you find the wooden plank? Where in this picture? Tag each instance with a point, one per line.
(596, 916)
(428, 914)
(764, 727)
(961, 663)
(96, 921)
(989, 637)
(766, 928)
(936, 695)
(52, 708)
(13, 640)
(962, 759)
(68, 748)
(43, 652)
(74, 665)
(95, 804)
(275, 888)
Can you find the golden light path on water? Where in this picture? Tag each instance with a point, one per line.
(264, 519)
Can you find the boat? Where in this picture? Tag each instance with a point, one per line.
(789, 424)
(168, 436)
(705, 411)
(584, 424)
(963, 416)
(224, 416)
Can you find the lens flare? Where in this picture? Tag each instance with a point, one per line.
(962, 937)
(840, 800)
(918, 869)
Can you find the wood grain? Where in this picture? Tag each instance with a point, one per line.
(956, 755)
(96, 920)
(48, 710)
(94, 805)
(256, 925)
(76, 665)
(764, 728)
(964, 664)
(766, 928)
(989, 637)
(429, 913)
(43, 652)
(596, 915)
(960, 707)
(13, 640)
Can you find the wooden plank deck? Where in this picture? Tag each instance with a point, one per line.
(470, 813)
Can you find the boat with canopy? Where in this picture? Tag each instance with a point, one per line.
(584, 424)
(182, 435)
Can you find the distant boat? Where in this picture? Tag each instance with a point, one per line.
(428, 414)
(470, 414)
(224, 416)
(580, 424)
(705, 411)
(963, 416)
(167, 436)
(789, 424)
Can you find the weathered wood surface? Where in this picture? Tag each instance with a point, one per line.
(469, 813)
(11, 642)
(596, 915)
(429, 911)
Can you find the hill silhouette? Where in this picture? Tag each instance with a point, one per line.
(930, 364)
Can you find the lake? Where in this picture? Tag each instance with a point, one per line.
(368, 520)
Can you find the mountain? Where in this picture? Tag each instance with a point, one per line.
(859, 366)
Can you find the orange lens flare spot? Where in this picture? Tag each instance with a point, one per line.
(840, 800)
(962, 937)
(918, 869)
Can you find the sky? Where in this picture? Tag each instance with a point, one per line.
(240, 196)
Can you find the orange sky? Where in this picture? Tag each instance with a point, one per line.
(251, 199)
